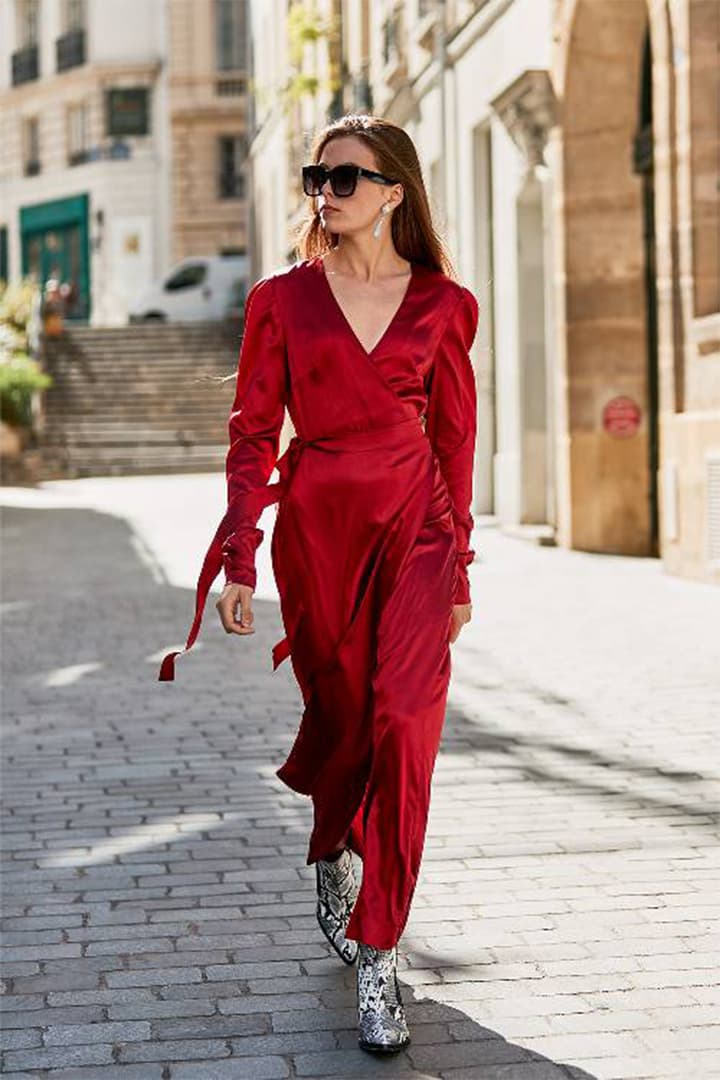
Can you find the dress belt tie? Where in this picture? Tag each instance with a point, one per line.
(254, 502)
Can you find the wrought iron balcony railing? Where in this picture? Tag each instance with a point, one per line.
(231, 185)
(70, 50)
(25, 65)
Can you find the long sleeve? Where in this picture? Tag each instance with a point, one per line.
(452, 423)
(254, 427)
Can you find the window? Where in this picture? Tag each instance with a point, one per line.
(73, 15)
(70, 49)
(230, 34)
(27, 12)
(31, 146)
(391, 38)
(232, 153)
(187, 276)
(78, 133)
(127, 111)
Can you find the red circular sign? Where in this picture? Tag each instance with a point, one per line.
(621, 417)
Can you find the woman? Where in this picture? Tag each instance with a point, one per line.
(365, 341)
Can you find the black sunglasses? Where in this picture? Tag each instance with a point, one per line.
(343, 179)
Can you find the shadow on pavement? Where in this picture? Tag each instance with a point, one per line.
(154, 866)
(523, 748)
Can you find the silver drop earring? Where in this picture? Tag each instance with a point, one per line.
(385, 210)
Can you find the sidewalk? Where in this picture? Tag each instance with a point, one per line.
(159, 915)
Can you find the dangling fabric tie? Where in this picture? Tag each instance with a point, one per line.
(253, 503)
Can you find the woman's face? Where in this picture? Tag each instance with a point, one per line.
(359, 211)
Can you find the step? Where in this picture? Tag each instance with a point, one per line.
(170, 460)
(542, 534)
(132, 419)
(69, 470)
(133, 400)
(144, 397)
(139, 438)
(123, 368)
(147, 330)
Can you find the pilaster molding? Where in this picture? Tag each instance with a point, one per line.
(527, 109)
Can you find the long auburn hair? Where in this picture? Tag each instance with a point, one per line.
(413, 232)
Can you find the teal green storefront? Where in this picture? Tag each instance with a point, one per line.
(55, 243)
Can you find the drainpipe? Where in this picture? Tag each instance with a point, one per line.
(250, 134)
(440, 48)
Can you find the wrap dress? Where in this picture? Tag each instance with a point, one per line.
(370, 549)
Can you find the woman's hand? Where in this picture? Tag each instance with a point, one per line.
(231, 597)
(460, 615)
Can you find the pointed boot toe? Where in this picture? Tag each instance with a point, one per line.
(336, 895)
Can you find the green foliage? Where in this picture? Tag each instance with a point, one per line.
(300, 85)
(20, 376)
(305, 26)
(16, 305)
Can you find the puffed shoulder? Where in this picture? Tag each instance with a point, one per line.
(264, 292)
(465, 313)
(261, 293)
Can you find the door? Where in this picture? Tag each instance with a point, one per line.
(56, 253)
(55, 243)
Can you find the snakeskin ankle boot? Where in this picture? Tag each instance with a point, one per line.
(382, 1028)
(336, 895)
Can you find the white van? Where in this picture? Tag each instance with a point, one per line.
(200, 288)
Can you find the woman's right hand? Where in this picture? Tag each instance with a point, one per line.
(232, 597)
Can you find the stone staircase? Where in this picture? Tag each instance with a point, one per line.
(138, 399)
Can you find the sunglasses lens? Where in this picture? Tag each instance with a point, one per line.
(343, 180)
(314, 176)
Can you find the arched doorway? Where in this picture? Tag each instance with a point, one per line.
(610, 309)
(643, 164)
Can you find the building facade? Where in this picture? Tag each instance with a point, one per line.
(636, 161)
(207, 61)
(124, 139)
(570, 151)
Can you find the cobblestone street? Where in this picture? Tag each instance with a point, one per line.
(158, 913)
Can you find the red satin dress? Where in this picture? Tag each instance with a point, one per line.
(370, 549)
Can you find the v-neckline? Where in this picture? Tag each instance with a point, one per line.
(398, 310)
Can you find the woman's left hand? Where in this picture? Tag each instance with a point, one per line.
(461, 614)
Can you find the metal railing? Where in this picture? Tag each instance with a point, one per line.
(70, 50)
(25, 65)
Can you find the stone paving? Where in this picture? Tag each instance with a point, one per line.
(158, 912)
